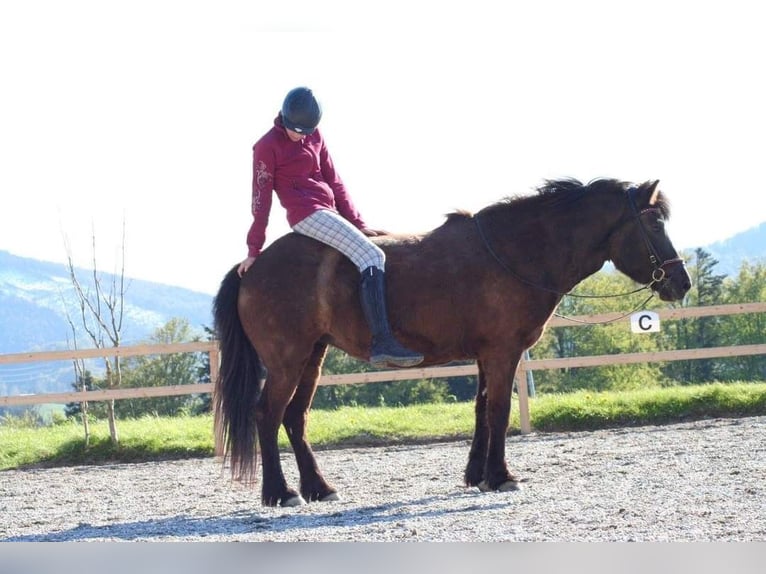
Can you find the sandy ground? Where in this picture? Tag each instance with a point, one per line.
(698, 481)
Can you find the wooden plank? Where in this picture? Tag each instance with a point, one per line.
(398, 375)
(664, 314)
(405, 374)
(211, 347)
(650, 357)
(126, 351)
(107, 394)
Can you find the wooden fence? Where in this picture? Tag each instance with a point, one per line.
(211, 348)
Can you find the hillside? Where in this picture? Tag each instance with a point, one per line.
(749, 245)
(34, 296)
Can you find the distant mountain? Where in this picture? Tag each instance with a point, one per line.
(34, 296)
(749, 245)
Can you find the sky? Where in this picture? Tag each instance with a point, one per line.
(141, 115)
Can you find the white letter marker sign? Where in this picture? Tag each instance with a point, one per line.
(645, 322)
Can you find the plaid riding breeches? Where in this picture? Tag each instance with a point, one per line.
(333, 230)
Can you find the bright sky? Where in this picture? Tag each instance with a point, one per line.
(146, 112)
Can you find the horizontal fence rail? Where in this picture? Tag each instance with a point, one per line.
(211, 347)
(126, 351)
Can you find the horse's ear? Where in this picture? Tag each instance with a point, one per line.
(654, 191)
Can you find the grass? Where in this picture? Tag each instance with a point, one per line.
(158, 438)
(148, 438)
(589, 411)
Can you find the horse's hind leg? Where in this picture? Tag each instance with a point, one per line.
(313, 484)
(477, 458)
(277, 392)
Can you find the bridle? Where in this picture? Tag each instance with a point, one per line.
(658, 274)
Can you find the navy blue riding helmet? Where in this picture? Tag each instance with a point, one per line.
(301, 111)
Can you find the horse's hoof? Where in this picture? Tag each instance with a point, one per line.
(332, 497)
(293, 501)
(507, 486)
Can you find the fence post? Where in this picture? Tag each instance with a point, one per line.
(523, 392)
(530, 376)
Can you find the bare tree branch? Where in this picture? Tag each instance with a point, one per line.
(94, 308)
(79, 372)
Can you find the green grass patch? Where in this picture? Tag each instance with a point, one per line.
(161, 438)
(584, 410)
(375, 425)
(147, 438)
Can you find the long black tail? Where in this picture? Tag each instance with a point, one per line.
(238, 385)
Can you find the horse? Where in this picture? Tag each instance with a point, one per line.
(479, 287)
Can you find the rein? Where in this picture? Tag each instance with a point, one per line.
(657, 275)
(510, 271)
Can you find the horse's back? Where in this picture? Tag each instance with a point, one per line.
(443, 298)
(298, 291)
(297, 272)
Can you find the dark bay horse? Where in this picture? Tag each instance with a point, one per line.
(479, 287)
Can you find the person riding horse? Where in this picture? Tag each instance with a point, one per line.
(481, 287)
(292, 159)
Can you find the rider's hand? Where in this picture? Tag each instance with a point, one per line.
(245, 265)
(374, 232)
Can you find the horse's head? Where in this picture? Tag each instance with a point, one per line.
(641, 248)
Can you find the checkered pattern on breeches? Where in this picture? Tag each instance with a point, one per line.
(333, 230)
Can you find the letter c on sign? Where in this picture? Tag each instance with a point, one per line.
(645, 322)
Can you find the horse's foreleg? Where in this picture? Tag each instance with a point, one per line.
(313, 484)
(499, 383)
(477, 458)
(268, 413)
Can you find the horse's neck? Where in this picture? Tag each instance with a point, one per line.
(557, 252)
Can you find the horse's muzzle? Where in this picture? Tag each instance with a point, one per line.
(675, 281)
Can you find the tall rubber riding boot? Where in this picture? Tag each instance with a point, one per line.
(385, 348)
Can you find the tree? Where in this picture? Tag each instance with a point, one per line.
(337, 362)
(748, 287)
(707, 289)
(101, 312)
(373, 394)
(162, 370)
(606, 292)
(85, 382)
(203, 376)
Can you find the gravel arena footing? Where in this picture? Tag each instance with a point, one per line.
(694, 481)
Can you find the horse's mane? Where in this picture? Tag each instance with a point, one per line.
(561, 194)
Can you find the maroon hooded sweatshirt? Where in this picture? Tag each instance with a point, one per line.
(302, 174)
